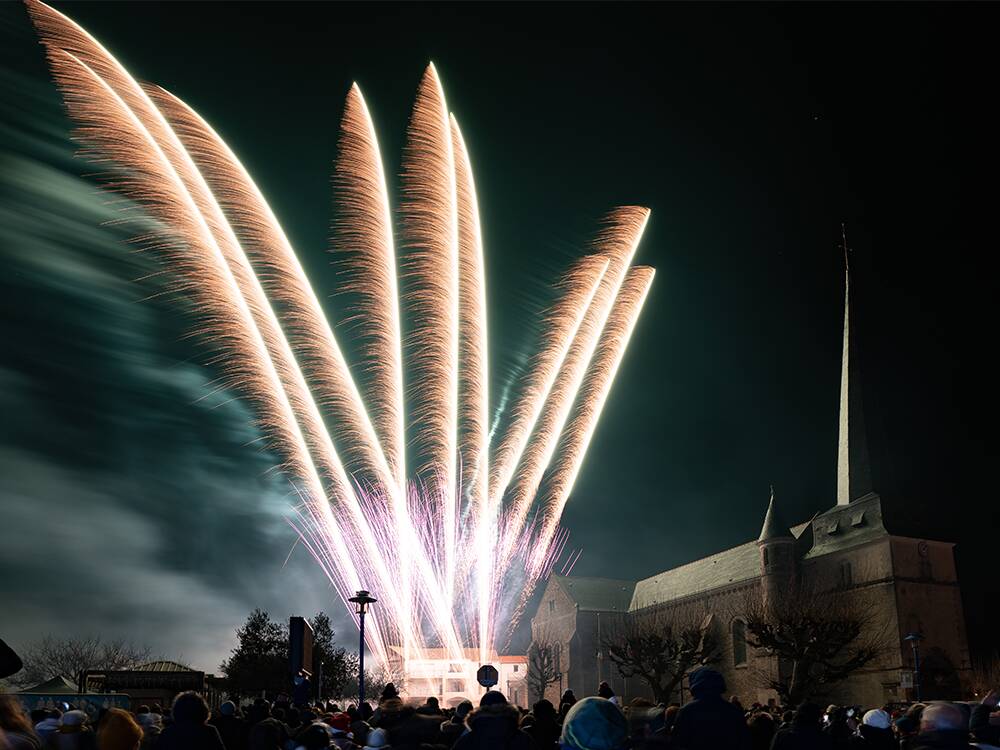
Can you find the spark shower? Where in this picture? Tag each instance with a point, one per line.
(407, 483)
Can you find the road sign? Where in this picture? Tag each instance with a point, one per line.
(487, 676)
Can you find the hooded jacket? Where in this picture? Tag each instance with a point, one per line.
(709, 722)
(494, 727)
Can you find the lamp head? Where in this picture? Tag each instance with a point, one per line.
(361, 600)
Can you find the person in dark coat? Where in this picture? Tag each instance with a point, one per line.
(837, 729)
(942, 727)
(494, 726)
(268, 734)
(568, 697)
(232, 728)
(979, 720)
(544, 730)
(805, 733)
(453, 728)
(190, 729)
(407, 729)
(709, 722)
(761, 725)
(875, 732)
(431, 707)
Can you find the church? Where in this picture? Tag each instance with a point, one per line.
(865, 547)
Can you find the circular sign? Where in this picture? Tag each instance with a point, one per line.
(487, 676)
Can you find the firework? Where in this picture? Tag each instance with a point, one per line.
(406, 496)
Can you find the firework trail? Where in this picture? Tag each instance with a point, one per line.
(618, 242)
(562, 322)
(430, 221)
(425, 528)
(593, 395)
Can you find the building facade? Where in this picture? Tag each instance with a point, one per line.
(863, 547)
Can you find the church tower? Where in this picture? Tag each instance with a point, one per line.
(777, 554)
(853, 467)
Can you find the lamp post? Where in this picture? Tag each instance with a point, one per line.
(914, 639)
(361, 600)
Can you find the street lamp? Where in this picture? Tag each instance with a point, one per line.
(914, 639)
(361, 600)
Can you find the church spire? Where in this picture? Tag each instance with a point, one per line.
(853, 471)
(773, 527)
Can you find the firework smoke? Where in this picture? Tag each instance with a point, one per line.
(424, 526)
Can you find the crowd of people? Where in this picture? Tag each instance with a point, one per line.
(709, 721)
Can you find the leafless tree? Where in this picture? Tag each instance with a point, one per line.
(544, 668)
(819, 638)
(52, 656)
(985, 675)
(661, 646)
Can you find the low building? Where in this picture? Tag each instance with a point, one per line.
(153, 682)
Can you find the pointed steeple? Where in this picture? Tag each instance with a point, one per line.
(853, 468)
(773, 527)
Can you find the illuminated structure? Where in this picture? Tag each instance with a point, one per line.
(875, 548)
(403, 491)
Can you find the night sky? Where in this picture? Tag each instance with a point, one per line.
(132, 505)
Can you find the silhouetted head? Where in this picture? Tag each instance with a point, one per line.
(189, 708)
(942, 717)
(807, 715)
(706, 682)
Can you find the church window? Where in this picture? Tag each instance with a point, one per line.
(766, 563)
(846, 575)
(552, 605)
(739, 643)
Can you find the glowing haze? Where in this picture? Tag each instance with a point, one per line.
(435, 525)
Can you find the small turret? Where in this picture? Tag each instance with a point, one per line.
(777, 554)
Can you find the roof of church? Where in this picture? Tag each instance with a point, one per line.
(731, 566)
(598, 594)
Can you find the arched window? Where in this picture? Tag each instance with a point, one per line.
(765, 557)
(739, 643)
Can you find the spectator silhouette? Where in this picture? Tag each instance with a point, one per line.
(494, 726)
(805, 732)
(594, 724)
(190, 729)
(709, 722)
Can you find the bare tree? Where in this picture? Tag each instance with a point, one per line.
(52, 656)
(985, 675)
(819, 638)
(661, 646)
(543, 665)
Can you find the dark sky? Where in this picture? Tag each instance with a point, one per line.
(751, 131)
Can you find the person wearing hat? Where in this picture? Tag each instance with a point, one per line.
(709, 722)
(74, 733)
(340, 730)
(594, 724)
(494, 726)
(378, 739)
(875, 732)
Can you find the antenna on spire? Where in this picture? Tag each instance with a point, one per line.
(843, 235)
